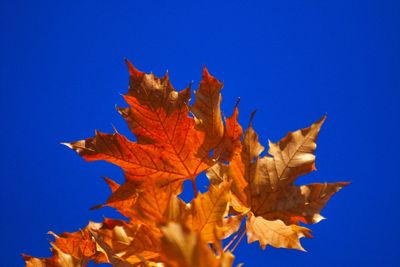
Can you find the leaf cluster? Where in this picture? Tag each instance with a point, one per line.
(249, 194)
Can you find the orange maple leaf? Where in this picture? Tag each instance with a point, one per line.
(182, 247)
(171, 145)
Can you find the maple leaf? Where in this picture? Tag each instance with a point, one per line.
(69, 249)
(59, 259)
(231, 139)
(123, 244)
(208, 210)
(78, 244)
(207, 112)
(205, 213)
(171, 145)
(275, 233)
(182, 247)
(263, 186)
(126, 243)
(144, 201)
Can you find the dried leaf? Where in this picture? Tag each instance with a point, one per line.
(59, 259)
(275, 233)
(126, 243)
(207, 112)
(264, 185)
(208, 211)
(205, 213)
(78, 244)
(145, 201)
(299, 203)
(170, 144)
(230, 142)
(184, 248)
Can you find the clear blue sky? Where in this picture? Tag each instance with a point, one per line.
(62, 72)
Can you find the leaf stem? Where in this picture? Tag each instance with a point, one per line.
(214, 249)
(194, 187)
(238, 233)
(240, 239)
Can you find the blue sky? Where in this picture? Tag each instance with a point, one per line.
(62, 72)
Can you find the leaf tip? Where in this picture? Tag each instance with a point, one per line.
(26, 257)
(237, 102)
(206, 74)
(67, 145)
(343, 184)
(318, 218)
(252, 117)
(322, 119)
(302, 249)
(133, 71)
(96, 207)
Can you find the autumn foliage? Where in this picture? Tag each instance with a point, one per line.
(249, 194)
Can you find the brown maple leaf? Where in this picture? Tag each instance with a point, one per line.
(263, 187)
(205, 213)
